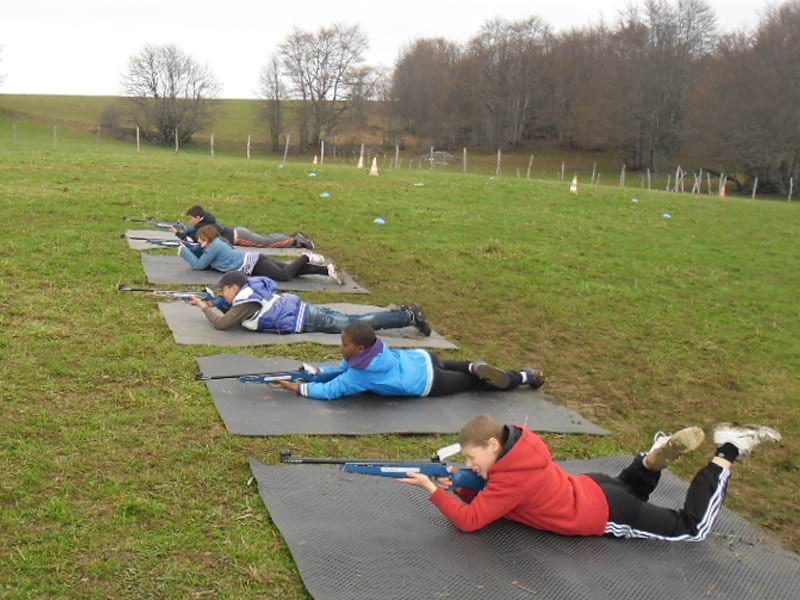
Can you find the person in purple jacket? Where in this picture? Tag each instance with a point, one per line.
(256, 305)
(369, 365)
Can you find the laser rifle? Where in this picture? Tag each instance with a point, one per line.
(461, 478)
(184, 295)
(307, 373)
(162, 243)
(154, 223)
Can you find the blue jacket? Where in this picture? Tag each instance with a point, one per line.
(279, 313)
(391, 373)
(218, 255)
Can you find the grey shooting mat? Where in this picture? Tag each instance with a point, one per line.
(190, 326)
(150, 234)
(173, 269)
(260, 410)
(356, 536)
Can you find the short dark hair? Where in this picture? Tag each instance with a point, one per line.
(237, 278)
(361, 333)
(208, 232)
(479, 430)
(196, 211)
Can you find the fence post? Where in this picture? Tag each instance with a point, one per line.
(431, 158)
(397, 156)
(464, 160)
(499, 168)
(649, 181)
(622, 176)
(791, 189)
(286, 148)
(138, 148)
(530, 167)
(755, 188)
(708, 180)
(248, 146)
(669, 180)
(594, 171)
(211, 144)
(176, 140)
(321, 152)
(361, 158)
(562, 170)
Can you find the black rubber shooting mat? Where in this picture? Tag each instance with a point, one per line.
(138, 244)
(174, 270)
(259, 410)
(190, 326)
(355, 536)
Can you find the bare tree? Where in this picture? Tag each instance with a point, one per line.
(168, 90)
(273, 90)
(422, 89)
(320, 67)
(745, 117)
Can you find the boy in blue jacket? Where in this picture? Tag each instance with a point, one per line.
(371, 366)
(253, 303)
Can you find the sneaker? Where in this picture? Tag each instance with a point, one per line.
(667, 448)
(418, 319)
(315, 259)
(336, 274)
(301, 241)
(534, 378)
(744, 437)
(491, 374)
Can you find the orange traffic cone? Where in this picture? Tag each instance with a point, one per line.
(573, 188)
(373, 170)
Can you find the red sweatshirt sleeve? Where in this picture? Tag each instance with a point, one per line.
(494, 502)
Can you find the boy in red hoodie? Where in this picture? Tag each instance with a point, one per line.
(524, 484)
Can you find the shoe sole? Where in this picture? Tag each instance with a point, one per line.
(680, 443)
(497, 377)
(759, 434)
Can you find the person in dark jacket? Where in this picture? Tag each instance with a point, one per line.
(213, 252)
(239, 236)
(369, 365)
(524, 484)
(255, 304)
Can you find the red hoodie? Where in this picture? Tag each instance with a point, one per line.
(526, 486)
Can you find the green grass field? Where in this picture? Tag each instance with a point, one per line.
(117, 478)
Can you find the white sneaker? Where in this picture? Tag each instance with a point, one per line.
(744, 437)
(667, 448)
(314, 259)
(336, 274)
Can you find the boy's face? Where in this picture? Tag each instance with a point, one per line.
(349, 348)
(229, 292)
(481, 458)
(195, 220)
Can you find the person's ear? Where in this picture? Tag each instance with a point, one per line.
(494, 445)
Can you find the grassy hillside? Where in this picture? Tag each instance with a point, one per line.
(118, 477)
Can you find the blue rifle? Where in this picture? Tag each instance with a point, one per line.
(461, 478)
(306, 373)
(184, 295)
(154, 223)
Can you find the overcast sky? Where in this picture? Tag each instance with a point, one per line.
(82, 46)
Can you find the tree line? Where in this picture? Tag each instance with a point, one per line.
(660, 83)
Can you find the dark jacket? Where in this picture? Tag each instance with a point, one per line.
(208, 219)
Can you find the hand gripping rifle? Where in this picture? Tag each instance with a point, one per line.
(461, 478)
(154, 223)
